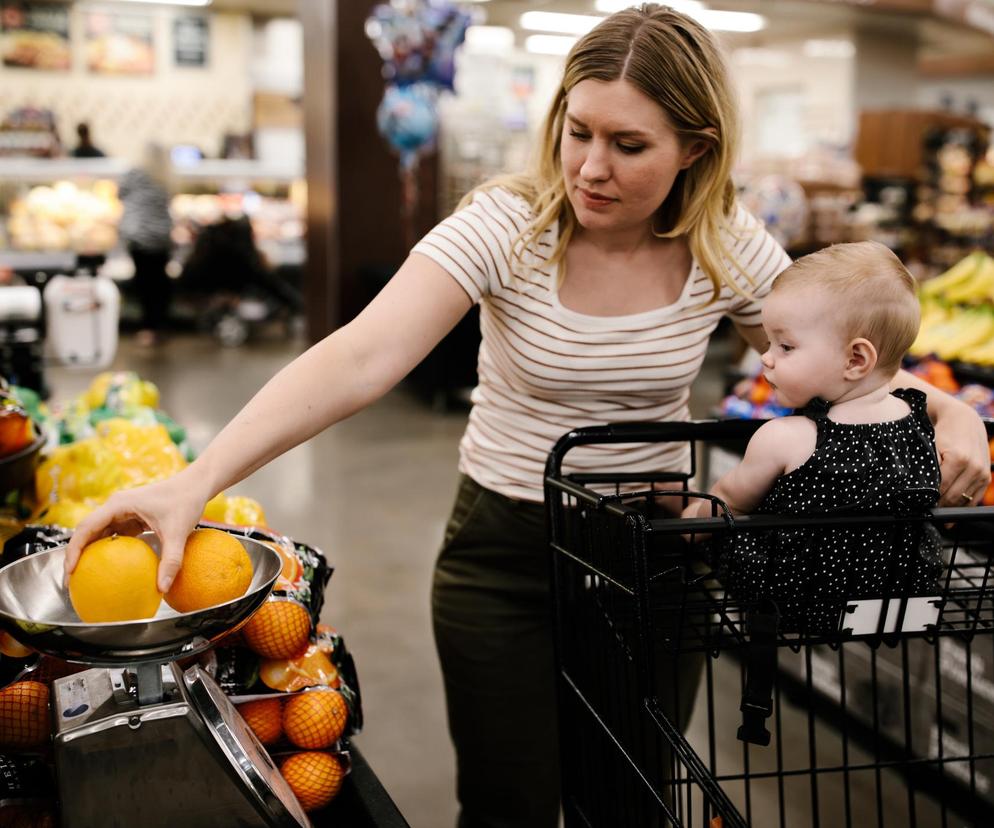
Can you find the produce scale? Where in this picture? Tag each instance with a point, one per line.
(140, 739)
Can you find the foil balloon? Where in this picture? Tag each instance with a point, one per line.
(408, 119)
(417, 40)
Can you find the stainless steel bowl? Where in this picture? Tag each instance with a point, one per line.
(35, 609)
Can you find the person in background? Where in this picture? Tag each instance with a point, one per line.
(85, 147)
(600, 275)
(146, 228)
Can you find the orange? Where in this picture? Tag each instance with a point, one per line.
(315, 719)
(287, 675)
(265, 717)
(24, 719)
(315, 778)
(292, 568)
(278, 629)
(115, 581)
(216, 569)
(10, 646)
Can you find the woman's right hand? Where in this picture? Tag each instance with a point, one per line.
(170, 508)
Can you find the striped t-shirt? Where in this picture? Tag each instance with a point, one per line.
(545, 369)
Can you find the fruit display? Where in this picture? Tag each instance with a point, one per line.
(66, 215)
(113, 436)
(958, 313)
(115, 580)
(292, 680)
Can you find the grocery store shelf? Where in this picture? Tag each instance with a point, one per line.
(47, 260)
(46, 170)
(239, 169)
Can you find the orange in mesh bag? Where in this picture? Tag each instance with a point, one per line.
(280, 628)
(316, 718)
(24, 716)
(315, 778)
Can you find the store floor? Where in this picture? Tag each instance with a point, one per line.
(373, 493)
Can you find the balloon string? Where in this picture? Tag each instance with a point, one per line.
(408, 201)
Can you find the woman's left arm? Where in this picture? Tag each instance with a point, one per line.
(960, 440)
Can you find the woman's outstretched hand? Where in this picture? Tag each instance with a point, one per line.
(964, 457)
(170, 508)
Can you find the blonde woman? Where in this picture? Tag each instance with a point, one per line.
(600, 275)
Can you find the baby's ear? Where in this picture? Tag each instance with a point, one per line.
(862, 359)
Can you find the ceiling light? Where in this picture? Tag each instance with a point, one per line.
(574, 24)
(489, 40)
(829, 48)
(549, 44)
(612, 6)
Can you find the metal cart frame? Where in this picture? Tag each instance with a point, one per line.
(889, 721)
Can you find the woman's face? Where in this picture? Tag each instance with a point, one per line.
(620, 155)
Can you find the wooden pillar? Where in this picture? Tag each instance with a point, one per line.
(322, 277)
(355, 234)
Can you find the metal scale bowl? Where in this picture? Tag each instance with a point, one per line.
(138, 739)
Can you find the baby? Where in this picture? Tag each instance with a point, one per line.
(838, 321)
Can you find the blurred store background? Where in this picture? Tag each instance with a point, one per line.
(288, 211)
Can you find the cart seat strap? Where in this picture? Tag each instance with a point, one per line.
(761, 665)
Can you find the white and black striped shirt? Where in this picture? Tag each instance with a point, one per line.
(545, 369)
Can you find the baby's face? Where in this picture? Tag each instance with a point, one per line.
(806, 355)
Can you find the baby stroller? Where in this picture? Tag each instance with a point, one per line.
(226, 268)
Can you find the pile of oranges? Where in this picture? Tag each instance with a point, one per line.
(313, 720)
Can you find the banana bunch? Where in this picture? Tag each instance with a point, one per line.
(951, 333)
(970, 281)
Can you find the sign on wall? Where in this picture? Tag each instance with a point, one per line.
(120, 44)
(34, 35)
(191, 40)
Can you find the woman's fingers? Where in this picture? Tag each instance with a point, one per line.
(964, 479)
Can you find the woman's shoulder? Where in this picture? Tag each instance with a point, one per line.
(501, 199)
(742, 227)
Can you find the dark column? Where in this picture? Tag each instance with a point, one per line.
(353, 185)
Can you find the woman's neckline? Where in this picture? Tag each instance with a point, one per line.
(614, 319)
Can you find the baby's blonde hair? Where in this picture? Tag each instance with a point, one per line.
(873, 291)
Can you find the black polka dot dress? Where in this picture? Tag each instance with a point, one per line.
(888, 468)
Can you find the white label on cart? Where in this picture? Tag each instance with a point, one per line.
(863, 617)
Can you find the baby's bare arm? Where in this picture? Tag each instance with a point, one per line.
(779, 447)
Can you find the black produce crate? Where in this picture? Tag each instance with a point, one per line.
(362, 803)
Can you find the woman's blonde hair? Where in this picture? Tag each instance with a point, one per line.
(677, 63)
(872, 291)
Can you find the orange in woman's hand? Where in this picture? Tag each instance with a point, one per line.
(216, 569)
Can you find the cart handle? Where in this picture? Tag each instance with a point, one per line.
(668, 432)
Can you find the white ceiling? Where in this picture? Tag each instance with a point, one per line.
(788, 20)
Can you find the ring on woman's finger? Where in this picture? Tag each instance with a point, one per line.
(966, 497)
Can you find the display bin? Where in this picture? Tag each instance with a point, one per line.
(362, 803)
(883, 715)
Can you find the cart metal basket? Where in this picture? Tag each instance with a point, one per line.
(670, 683)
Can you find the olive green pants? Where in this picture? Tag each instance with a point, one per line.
(493, 623)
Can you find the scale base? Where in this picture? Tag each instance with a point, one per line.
(187, 759)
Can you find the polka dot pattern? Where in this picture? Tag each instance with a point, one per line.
(888, 468)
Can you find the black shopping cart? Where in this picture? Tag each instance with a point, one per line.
(670, 684)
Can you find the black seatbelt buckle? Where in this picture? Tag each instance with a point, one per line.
(753, 728)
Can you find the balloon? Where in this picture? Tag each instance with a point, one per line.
(408, 119)
(417, 40)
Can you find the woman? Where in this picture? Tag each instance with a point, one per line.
(601, 274)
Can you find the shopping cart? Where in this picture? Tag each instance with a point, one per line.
(670, 684)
